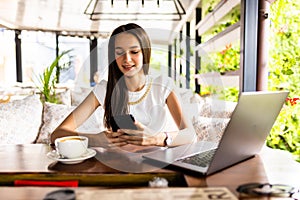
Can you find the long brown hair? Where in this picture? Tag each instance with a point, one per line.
(116, 99)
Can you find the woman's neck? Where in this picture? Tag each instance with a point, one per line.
(135, 83)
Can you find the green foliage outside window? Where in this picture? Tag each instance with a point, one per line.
(284, 74)
(223, 61)
(231, 18)
(228, 59)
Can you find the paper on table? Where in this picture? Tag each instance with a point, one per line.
(158, 193)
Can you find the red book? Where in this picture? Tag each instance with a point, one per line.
(72, 183)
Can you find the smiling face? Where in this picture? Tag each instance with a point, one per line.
(128, 54)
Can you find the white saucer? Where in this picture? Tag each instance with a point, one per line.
(55, 156)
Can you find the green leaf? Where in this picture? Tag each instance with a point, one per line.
(287, 72)
(48, 80)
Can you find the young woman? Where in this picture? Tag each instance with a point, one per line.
(131, 90)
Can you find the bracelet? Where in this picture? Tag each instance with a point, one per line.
(168, 139)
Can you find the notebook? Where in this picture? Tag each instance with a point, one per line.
(244, 136)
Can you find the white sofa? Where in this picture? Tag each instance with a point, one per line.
(27, 120)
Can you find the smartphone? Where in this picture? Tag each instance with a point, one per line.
(123, 122)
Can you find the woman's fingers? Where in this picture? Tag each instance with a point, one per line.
(114, 140)
(137, 137)
(130, 132)
(111, 134)
(140, 139)
(130, 136)
(117, 144)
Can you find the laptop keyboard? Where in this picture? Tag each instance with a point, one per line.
(201, 159)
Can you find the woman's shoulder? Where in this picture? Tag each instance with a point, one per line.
(100, 90)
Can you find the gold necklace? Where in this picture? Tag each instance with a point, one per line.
(142, 97)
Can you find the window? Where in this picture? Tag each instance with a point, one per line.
(38, 52)
(7, 57)
(78, 72)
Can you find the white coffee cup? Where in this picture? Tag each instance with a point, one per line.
(71, 146)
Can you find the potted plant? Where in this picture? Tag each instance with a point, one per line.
(49, 79)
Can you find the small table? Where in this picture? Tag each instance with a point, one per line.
(30, 162)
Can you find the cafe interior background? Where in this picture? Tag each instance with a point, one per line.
(40, 25)
(33, 33)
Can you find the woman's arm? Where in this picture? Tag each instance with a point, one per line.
(185, 134)
(76, 117)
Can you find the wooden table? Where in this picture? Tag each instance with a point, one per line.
(30, 162)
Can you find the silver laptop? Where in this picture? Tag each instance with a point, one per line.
(243, 137)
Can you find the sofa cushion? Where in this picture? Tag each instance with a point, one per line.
(54, 114)
(216, 108)
(210, 129)
(20, 120)
(64, 96)
(208, 115)
(185, 95)
(79, 94)
(194, 105)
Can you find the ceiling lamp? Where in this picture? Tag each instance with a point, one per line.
(135, 10)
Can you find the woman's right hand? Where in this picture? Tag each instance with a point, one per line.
(113, 138)
(143, 136)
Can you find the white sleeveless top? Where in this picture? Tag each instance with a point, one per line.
(152, 110)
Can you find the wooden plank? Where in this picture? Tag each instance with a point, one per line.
(221, 10)
(228, 36)
(96, 179)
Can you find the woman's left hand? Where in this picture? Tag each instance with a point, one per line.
(143, 136)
